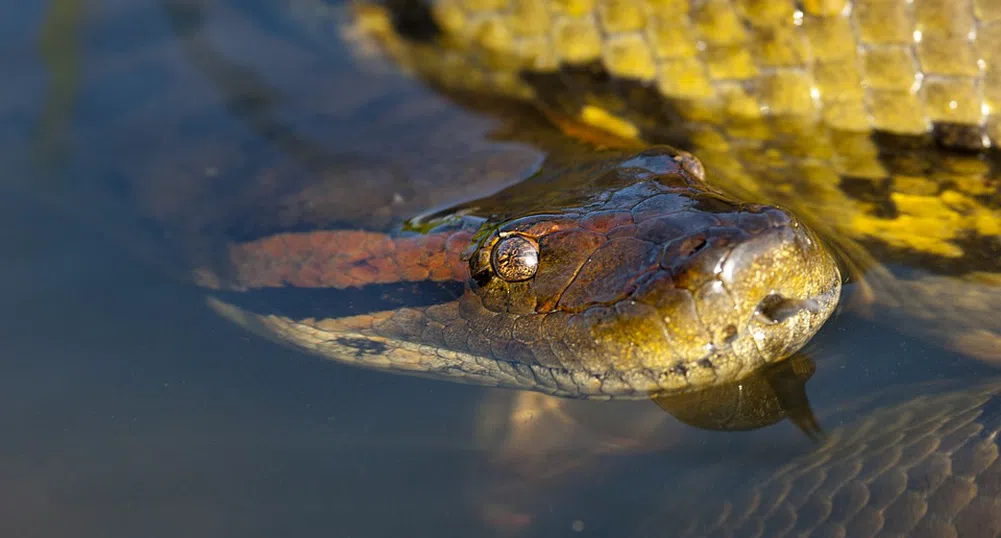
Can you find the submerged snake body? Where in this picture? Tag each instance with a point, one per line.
(928, 467)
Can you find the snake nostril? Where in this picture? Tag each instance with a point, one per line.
(729, 333)
(776, 308)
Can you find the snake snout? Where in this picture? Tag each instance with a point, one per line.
(775, 308)
(734, 297)
(784, 285)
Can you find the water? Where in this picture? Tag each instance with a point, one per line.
(131, 409)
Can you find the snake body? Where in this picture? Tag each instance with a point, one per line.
(921, 68)
(927, 467)
(814, 107)
(873, 121)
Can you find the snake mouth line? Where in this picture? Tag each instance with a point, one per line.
(353, 344)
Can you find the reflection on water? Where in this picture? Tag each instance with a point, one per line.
(131, 409)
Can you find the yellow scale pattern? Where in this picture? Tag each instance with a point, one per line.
(767, 89)
(893, 65)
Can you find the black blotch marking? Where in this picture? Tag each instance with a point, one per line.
(413, 20)
(928, 156)
(961, 137)
(922, 154)
(873, 191)
(980, 253)
(679, 369)
(362, 346)
(656, 116)
(705, 363)
(904, 155)
(299, 303)
(895, 142)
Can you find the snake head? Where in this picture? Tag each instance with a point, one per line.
(658, 285)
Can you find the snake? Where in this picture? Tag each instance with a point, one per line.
(626, 270)
(566, 301)
(871, 124)
(616, 273)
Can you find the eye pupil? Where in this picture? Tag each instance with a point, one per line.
(515, 258)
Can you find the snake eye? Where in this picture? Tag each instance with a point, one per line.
(515, 258)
